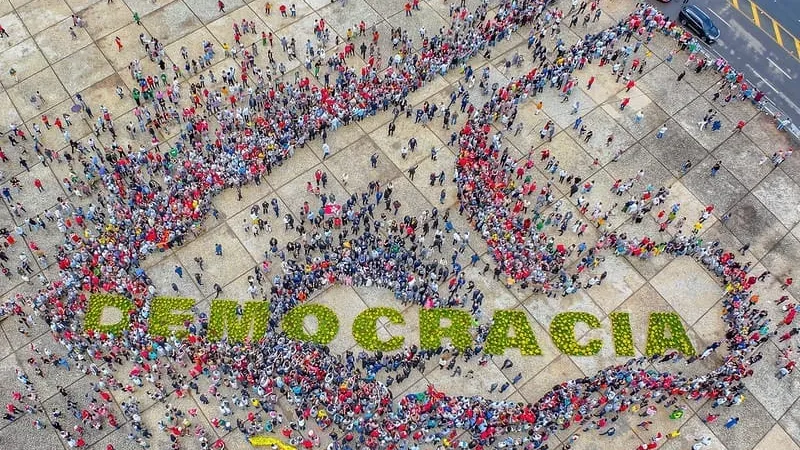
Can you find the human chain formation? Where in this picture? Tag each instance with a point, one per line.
(258, 130)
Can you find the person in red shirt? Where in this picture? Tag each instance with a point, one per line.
(786, 370)
(788, 282)
(407, 7)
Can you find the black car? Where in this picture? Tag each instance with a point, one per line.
(695, 19)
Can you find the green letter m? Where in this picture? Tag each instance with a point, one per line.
(224, 319)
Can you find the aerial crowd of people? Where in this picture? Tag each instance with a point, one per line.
(238, 130)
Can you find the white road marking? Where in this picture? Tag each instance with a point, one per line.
(779, 68)
(720, 18)
(779, 93)
(762, 79)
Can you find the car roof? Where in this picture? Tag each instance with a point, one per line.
(700, 13)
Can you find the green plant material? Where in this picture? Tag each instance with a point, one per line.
(270, 442)
(498, 340)
(94, 312)
(163, 317)
(657, 343)
(562, 331)
(431, 330)
(327, 329)
(621, 334)
(223, 319)
(365, 329)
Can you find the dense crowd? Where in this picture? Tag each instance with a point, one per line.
(148, 199)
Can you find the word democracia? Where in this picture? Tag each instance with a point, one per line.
(509, 329)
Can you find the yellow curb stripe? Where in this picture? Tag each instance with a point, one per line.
(756, 17)
(776, 28)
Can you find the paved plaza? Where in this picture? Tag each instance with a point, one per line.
(758, 200)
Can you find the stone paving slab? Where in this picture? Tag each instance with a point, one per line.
(26, 58)
(664, 89)
(779, 194)
(776, 438)
(722, 190)
(790, 422)
(83, 69)
(754, 423)
(775, 397)
(743, 159)
(22, 92)
(751, 222)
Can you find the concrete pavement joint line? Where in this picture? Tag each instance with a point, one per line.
(778, 421)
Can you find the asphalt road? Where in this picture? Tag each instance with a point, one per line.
(753, 52)
(787, 12)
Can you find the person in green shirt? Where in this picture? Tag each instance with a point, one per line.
(136, 18)
(136, 94)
